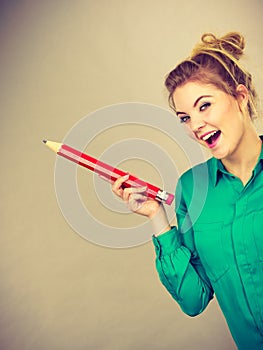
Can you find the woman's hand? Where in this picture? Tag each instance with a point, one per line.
(138, 202)
(135, 198)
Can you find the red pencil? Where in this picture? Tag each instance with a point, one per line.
(108, 171)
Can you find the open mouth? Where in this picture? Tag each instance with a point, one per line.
(211, 138)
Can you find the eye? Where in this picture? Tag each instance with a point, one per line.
(184, 118)
(204, 106)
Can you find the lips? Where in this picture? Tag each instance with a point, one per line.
(211, 138)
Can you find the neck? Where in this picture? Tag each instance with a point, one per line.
(242, 163)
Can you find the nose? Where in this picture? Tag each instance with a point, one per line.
(197, 123)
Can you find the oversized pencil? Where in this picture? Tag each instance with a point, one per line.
(108, 171)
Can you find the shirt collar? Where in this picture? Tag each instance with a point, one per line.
(217, 167)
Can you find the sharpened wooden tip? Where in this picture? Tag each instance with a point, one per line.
(55, 146)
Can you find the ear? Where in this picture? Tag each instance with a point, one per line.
(242, 96)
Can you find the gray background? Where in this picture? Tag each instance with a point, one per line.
(60, 61)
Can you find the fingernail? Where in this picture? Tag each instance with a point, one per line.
(139, 189)
(125, 177)
(144, 188)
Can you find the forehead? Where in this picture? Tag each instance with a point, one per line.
(189, 92)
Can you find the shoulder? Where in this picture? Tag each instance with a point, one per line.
(196, 181)
(199, 172)
(193, 186)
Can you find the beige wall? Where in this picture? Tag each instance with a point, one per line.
(60, 61)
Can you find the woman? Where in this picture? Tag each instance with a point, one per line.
(217, 246)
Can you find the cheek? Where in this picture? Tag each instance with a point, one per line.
(190, 133)
(230, 112)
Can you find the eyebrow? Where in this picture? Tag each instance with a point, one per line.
(197, 100)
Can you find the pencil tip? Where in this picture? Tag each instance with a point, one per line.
(45, 141)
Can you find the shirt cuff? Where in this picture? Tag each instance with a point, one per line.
(167, 243)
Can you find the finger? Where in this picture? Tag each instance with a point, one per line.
(138, 197)
(127, 192)
(133, 205)
(136, 201)
(117, 185)
(141, 189)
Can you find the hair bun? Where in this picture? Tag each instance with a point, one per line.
(232, 42)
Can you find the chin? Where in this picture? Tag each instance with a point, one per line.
(219, 155)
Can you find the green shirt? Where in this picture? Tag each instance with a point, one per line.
(217, 248)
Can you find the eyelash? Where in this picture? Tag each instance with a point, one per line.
(202, 108)
(206, 105)
(184, 119)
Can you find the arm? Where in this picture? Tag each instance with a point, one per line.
(182, 273)
(179, 266)
(177, 263)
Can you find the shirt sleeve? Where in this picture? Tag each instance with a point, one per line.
(180, 269)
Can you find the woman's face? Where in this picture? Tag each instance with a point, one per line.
(212, 117)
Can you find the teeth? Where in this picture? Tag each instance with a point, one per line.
(206, 137)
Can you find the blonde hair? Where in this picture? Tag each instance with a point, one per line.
(215, 61)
